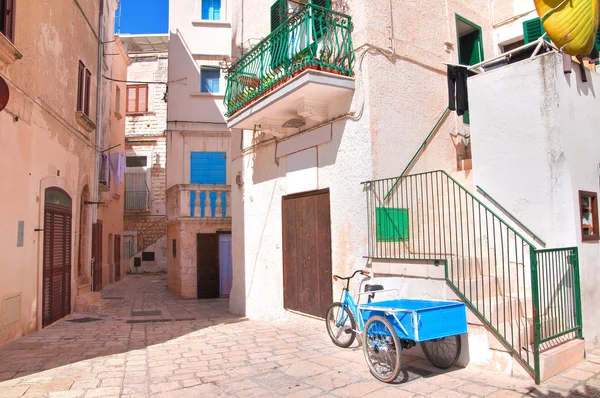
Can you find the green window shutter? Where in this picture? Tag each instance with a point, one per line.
(322, 3)
(598, 40)
(533, 30)
(278, 13)
(392, 224)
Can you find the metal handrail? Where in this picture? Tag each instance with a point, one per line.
(134, 239)
(314, 38)
(488, 264)
(509, 214)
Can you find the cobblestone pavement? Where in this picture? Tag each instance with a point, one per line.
(197, 349)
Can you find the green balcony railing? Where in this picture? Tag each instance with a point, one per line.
(529, 298)
(311, 38)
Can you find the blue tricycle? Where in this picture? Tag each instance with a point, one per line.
(390, 326)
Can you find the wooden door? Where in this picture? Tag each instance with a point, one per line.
(117, 258)
(56, 295)
(306, 230)
(97, 255)
(208, 265)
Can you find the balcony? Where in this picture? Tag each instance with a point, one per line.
(303, 69)
(201, 202)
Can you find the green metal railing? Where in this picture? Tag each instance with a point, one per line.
(312, 38)
(488, 263)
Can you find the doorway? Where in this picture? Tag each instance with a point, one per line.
(307, 285)
(214, 265)
(470, 47)
(56, 298)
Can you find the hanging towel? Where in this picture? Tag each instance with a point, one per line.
(104, 173)
(117, 164)
(457, 89)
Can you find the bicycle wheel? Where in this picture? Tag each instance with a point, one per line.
(442, 353)
(341, 325)
(382, 349)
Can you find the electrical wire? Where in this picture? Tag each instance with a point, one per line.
(72, 129)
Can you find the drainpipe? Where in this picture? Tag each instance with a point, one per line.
(98, 114)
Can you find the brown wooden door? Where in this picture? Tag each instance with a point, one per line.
(97, 255)
(307, 282)
(208, 265)
(57, 263)
(117, 257)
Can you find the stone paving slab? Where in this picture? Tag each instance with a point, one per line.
(200, 350)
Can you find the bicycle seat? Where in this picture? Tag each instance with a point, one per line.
(373, 288)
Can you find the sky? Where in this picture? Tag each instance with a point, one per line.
(142, 17)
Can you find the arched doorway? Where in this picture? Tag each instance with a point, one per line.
(57, 255)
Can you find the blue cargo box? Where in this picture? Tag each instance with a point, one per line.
(420, 320)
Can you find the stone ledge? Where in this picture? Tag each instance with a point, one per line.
(8, 52)
(84, 121)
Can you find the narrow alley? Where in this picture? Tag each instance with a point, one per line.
(151, 343)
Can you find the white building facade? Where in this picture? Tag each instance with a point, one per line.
(198, 151)
(320, 100)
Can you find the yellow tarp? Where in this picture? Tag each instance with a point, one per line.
(570, 24)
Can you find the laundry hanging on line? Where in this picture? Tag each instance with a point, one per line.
(117, 164)
(457, 89)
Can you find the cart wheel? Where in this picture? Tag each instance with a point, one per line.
(442, 353)
(341, 331)
(382, 349)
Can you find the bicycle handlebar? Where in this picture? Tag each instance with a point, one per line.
(361, 271)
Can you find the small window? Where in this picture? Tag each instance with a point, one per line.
(174, 247)
(392, 224)
(7, 18)
(137, 99)
(588, 202)
(512, 46)
(136, 161)
(211, 10)
(118, 100)
(209, 79)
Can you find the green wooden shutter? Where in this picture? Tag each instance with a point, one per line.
(278, 13)
(533, 30)
(392, 224)
(322, 3)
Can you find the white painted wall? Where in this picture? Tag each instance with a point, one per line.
(535, 144)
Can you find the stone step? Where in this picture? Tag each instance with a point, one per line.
(496, 309)
(83, 302)
(99, 306)
(560, 358)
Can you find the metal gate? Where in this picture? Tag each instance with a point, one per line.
(307, 282)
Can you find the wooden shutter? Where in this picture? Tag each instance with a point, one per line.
(322, 3)
(598, 40)
(80, 84)
(208, 168)
(86, 99)
(533, 30)
(278, 13)
(7, 22)
(131, 99)
(142, 99)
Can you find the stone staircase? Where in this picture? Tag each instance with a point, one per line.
(88, 301)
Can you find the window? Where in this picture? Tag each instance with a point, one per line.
(588, 203)
(211, 10)
(7, 19)
(137, 193)
(533, 30)
(118, 100)
(207, 168)
(136, 161)
(137, 99)
(209, 79)
(470, 47)
(84, 87)
(392, 224)
(509, 47)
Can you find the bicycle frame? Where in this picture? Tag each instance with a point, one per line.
(348, 301)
